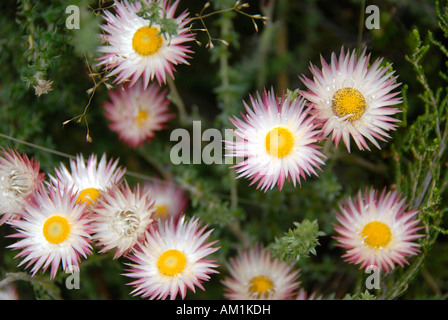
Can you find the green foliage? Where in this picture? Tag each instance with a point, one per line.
(420, 158)
(155, 14)
(247, 49)
(299, 242)
(366, 295)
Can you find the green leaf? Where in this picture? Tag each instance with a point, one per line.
(298, 242)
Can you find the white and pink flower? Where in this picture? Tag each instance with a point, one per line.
(255, 275)
(136, 48)
(53, 230)
(277, 140)
(172, 260)
(377, 230)
(121, 217)
(20, 177)
(136, 113)
(352, 99)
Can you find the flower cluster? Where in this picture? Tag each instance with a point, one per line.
(137, 50)
(88, 205)
(279, 138)
(59, 221)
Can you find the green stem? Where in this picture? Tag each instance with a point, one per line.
(226, 102)
(178, 102)
(166, 175)
(361, 23)
(233, 190)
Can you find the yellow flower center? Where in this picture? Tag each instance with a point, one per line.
(56, 229)
(348, 101)
(376, 235)
(147, 41)
(261, 286)
(161, 211)
(279, 142)
(140, 118)
(171, 263)
(88, 196)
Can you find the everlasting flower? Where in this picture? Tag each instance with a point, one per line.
(54, 229)
(172, 259)
(169, 201)
(277, 141)
(352, 99)
(137, 48)
(89, 180)
(19, 178)
(136, 114)
(254, 275)
(377, 230)
(121, 218)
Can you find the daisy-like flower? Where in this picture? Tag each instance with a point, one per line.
(20, 177)
(135, 114)
(89, 180)
(169, 201)
(54, 230)
(137, 48)
(352, 99)
(172, 259)
(254, 275)
(377, 230)
(277, 141)
(121, 218)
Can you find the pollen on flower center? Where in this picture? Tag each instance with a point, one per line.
(171, 263)
(348, 102)
(161, 211)
(261, 286)
(376, 235)
(147, 41)
(126, 223)
(88, 196)
(279, 142)
(140, 118)
(56, 229)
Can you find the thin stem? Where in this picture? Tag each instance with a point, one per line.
(431, 282)
(374, 167)
(233, 190)
(71, 157)
(361, 23)
(236, 229)
(178, 102)
(236, 8)
(402, 286)
(226, 101)
(66, 155)
(91, 91)
(159, 168)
